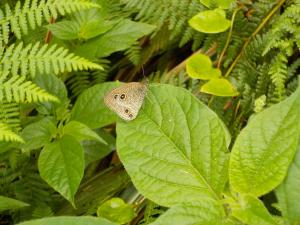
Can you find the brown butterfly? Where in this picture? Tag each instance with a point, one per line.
(127, 99)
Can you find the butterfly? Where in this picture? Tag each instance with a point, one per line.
(127, 99)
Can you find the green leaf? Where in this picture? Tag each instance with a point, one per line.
(199, 66)
(69, 220)
(54, 86)
(252, 211)
(95, 150)
(265, 148)
(93, 28)
(90, 108)
(116, 210)
(119, 38)
(38, 134)
(172, 154)
(64, 30)
(204, 212)
(61, 165)
(10, 203)
(210, 21)
(223, 4)
(81, 132)
(70, 30)
(288, 194)
(219, 87)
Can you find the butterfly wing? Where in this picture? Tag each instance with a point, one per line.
(126, 100)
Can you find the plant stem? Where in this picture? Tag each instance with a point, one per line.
(228, 37)
(258, 29)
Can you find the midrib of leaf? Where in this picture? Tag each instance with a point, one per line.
(183, 155)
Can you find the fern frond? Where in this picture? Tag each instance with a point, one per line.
(278, 72)
(41, 58)
(33, 12)
(172, 14)
(6, 134)
(17, 89)
(10, 115)
(134, 53)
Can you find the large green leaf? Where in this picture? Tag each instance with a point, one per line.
(175, 150)
(90, 108)
(264, 150)
(252, 211)
(119, 38)
(38, 134)
(69, 220)
(288, 193)
(204, 212)
(10, 203)
(61, 164)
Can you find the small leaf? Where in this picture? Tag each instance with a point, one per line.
(223, 4)
(93, 28)
(10, 203)
(210, 21)
(81, 132)
(38, 134)
(90, 108)
(69, 220)
(116, 210)
(94, 150)
(288, 194)
(171, 153)
(265, 148)
(251, 210)
(54, 86)
(61, 165)
(65, 30)
(199, 66)
(204, 212)
(219, 87)
(119, 38)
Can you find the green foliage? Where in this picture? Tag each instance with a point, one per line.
(61, 164)
(68, 220)
(58, 139)
(116, 210)
(33, 13)
(9, 203)
(175, 168)
(7, 134)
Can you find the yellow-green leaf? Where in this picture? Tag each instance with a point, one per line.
(219, 87)
(199, 66)
(223, 4)
(210, 21)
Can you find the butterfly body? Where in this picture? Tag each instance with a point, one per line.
(126, 100)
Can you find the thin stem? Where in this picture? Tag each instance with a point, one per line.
(257, 30)
(228, 37)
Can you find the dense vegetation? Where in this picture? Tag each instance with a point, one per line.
(215, 142)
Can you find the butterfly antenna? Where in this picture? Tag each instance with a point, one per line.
(146, 80)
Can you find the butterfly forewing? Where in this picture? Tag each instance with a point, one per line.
(126, 100)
